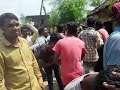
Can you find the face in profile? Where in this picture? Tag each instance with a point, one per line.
(11, 28)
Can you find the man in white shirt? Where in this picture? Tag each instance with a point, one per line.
(25, 31)
(84, 82)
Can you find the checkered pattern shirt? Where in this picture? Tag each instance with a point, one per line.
(92, 41)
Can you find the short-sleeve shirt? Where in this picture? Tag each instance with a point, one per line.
(92, 41)
(70, 50)
(111, 52)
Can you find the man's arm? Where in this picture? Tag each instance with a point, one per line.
(56, 58)
(35, 32)
(37, 72)
(2, 69)
(56, 49)
(99, 39)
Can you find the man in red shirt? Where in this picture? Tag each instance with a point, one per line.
(71, 51)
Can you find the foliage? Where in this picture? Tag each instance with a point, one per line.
(53, 20)
(96, 3)
(71, 10)
(23, 20)
(67, 10)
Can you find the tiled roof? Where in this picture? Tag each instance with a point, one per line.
(102, 6)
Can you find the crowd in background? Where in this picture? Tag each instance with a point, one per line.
(81, 57)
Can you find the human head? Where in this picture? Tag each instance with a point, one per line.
(43, 31)
(108, 26)
(53, 39)
(98, 25)
(79, 29)
(60, 28)
(10, 25)
(90, 22)
(106, 76)
(116, 11)
(72, 28)
(25, 30)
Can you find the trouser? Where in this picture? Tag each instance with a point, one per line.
(43, 74)
(89, 66)
(49, 75)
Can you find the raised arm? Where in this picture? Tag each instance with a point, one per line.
(35, 32)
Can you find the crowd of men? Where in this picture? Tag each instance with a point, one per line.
(81, 59)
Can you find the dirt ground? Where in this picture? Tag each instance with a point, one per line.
(54, 82)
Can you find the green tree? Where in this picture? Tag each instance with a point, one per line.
(53, 20)
(96, 3)
(23, 20)
(67, 10)
(71, 10)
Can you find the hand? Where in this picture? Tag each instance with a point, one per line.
(116, 74)
(28, 24)
(109, 87)
(42, 86)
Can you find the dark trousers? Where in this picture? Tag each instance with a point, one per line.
(49, 75)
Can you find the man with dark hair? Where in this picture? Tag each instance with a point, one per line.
(112, 45)
(71, 51)
(108, 77)
(104, 80)
(92, 41)
(25, 32)
(18, 66)
(46, 59)
(43, 38)
(60, 30)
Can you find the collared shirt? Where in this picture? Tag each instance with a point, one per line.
(40, 41)
(30, 42)
(111, 53)
(18, 67)
(92, 41)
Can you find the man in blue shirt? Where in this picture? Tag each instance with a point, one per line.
(111, 53)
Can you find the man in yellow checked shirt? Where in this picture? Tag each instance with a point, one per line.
(18, 66)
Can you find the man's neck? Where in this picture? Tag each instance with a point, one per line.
(70, 34)
(13, 41)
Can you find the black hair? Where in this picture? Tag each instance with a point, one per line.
(25, 27)
(60, 28)
(54, 37)
(72, 28)
(108, 26)
(106, 76)
(40, 30)
(99, 24)
(90, 22)
(6, 16)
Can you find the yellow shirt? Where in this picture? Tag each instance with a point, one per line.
(18, 67)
